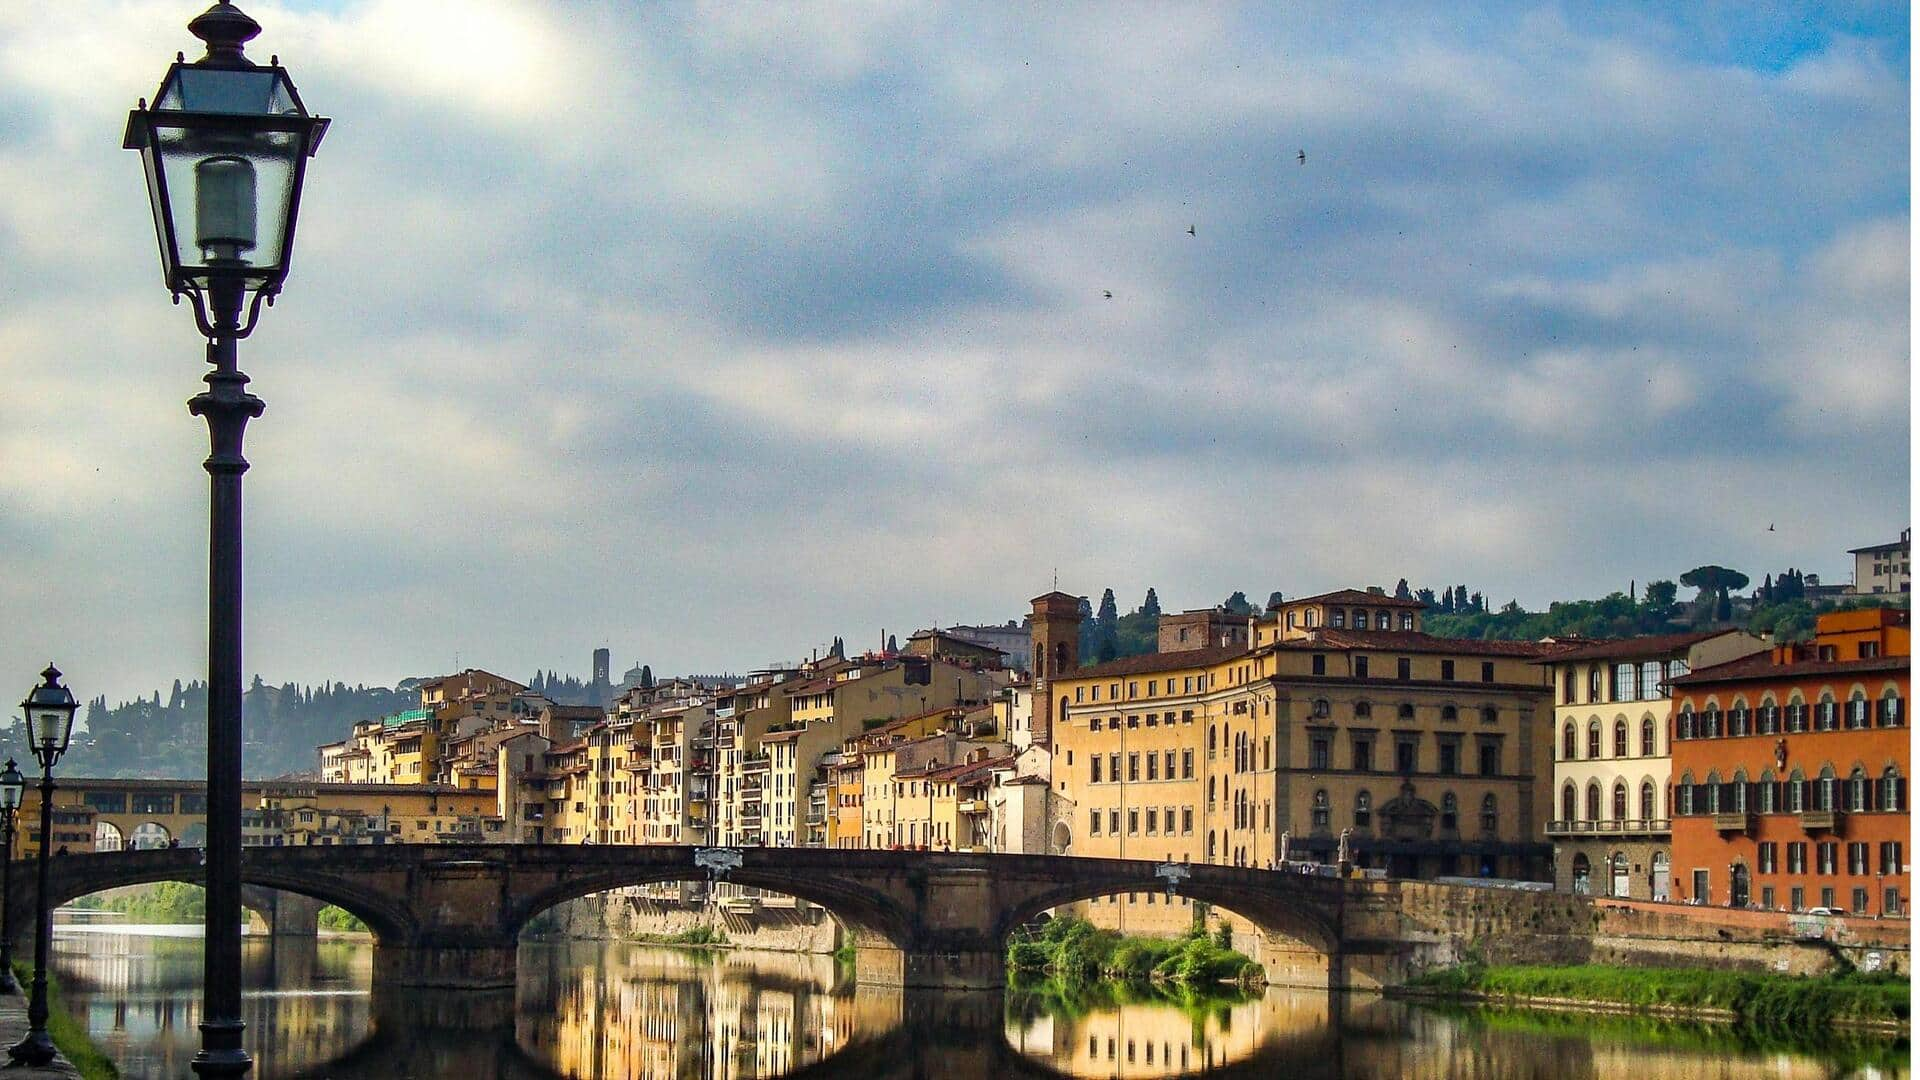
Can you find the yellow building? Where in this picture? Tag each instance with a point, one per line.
(1427, 753)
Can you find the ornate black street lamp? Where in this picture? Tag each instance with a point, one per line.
(12, 787)
(49, 708)
(225, 145)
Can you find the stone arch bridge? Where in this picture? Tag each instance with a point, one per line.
(450, 915)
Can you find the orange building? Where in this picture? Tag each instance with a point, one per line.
(1790, 773)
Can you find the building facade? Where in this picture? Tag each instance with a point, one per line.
(1790, 773)
(1884, 568)
(1611, 828)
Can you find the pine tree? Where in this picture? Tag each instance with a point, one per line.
(1401, 592)
(1273, 600)
(1151, 606)
(893, 643)
(1425, 596)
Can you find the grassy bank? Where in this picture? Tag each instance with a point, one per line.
(68, 1034)
(1761, 1001)
(1074, 950)
(699, 936)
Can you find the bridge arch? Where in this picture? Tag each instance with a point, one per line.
(73, 876)
(871, 917)
(1300, 919)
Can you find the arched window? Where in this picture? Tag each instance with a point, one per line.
(1566, 687)
(1039, 661)
(1059, 657)
(1713, 793)
(1312, 617)
(1768, 790)
(1449, 812)
(1824, 718)
(1796, 793)
(1593, 800)
(1582, 875)
(1890, 710)
(1363, 810)
(1213, 845)
(1063, 709)
(1567, 746)
(1569, 803)
(1857, 711)
(1739, 791)
(1619, 800)
(1857, 788)
(1449, 714)
(1321, 708)
(1406, 712)
(1825, 793)
(1683, 724)
(1685, 791)
(1489, 815)
(1648, 810)
(1649, 743)
(1320, 809)
(1363, 710)
(1593, 738)
(1213, 739)
(1593, 683)
(1620, 738)
(1891, 793)
(1210, 799)
(1339, 619)
(1489, 715)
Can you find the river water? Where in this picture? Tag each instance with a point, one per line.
(598, 1009)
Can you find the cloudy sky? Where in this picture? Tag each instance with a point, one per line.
(708, 332)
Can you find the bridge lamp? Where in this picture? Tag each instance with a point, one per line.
(49, 710)
(225, 147)
(12, 787)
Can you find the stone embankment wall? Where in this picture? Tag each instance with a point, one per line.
(1397, 930)
(785, 926)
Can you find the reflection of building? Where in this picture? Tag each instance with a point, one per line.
(1884, 568)
(1610, 825)
(1791, 772)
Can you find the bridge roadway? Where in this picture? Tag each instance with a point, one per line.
(450, 915)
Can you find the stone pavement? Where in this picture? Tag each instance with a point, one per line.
(13, 1028)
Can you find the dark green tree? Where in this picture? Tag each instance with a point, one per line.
(1401, 592)
(1274, 600)
(1151, 606)
(1238, 604)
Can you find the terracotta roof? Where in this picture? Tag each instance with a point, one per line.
(781, 736)
(811, 685)
(1647, 645)
(1152, 662)
(1761, 666)
(1039, 781)
(1415, 641)
(965, 769)
(1354, 598)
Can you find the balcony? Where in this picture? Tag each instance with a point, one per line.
(1733, 821)
(973, 806)
(1832, 821)
(754, 763)
(1620, 827)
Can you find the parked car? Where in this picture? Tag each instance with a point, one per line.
(1826, 911)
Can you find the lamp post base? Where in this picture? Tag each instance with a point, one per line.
(36, 1049)
(8, 984)
(220, 1051)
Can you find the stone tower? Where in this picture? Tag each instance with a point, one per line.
(1055, 628)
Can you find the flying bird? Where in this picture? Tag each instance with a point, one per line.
(1108, 293)
(1190, 231)
(1303, 157)
(1769, 527)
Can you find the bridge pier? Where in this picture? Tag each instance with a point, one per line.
(447, 965)
(287, 914)
(930, 969)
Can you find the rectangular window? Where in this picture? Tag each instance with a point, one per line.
(1403, 668)
(1446, 670)
(1113, 768)
(1489, 759)
(1890, 901)
(1768, 856)
(1186, 764)
(1857, 859)
(1797, 857)
(1153, 766)
(1826, 891)
(1153, 688)
(1133, 822)
(1153, 821)
(1319, 664)
(1170, 759)
(1486, 671)
(1113, 822)
(1797, 898)
(1153, 719)
(1890, 857)
(1702, 887)
(1317, 753)
(1859, 901)
(1133, 767)
(1186, 819)
(1095, 762)
(1828, 857)
(1093, 822)
(1359, 667)
(1449, 758)
(1766, 897)
(1405, 755)
(1133, 690)
(1363, 755)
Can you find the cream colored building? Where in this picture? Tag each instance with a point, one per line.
(1611, 826)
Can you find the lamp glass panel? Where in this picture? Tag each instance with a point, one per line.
(233, 91)
(228, 191)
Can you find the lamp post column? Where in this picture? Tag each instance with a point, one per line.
(227, 406)
(37, 1047)
(8, 985)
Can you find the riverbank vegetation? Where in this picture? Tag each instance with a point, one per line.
(342, 920)
(1073, 950)
(164, 902)
(1765, 1001)
(69, 1035)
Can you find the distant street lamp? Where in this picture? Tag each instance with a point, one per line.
(49, 708)
(225, 145)
(12, 787)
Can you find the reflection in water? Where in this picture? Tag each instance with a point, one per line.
(597, 1009)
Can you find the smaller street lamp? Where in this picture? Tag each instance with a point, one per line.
(12, 787)
(49, 708)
